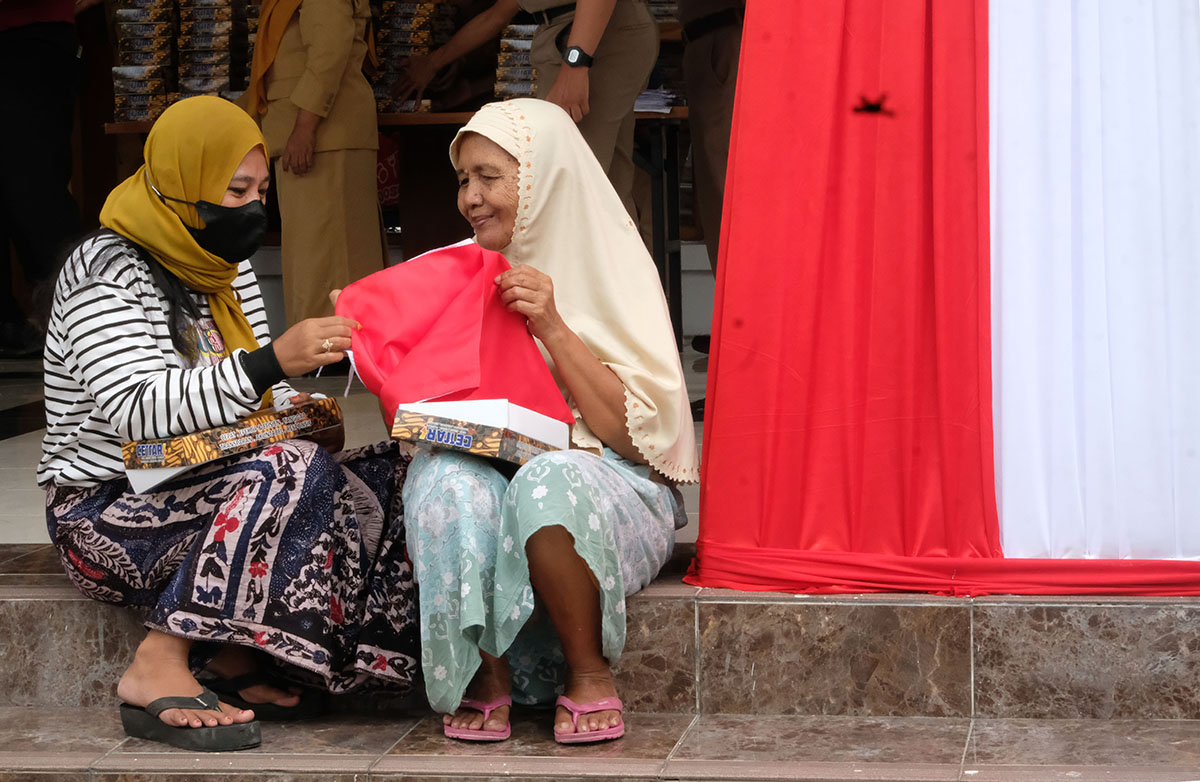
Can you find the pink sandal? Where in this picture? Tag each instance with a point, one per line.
(467, 734)
(604, 704)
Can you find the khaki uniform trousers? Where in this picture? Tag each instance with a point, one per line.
(620, 71)
(332, 233)
(710, 72)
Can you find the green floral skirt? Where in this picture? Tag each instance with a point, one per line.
(467, 525)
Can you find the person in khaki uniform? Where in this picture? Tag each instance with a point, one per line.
(317, 112)
(593, 58)
(712, 32)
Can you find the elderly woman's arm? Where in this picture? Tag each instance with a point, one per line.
(598, 392)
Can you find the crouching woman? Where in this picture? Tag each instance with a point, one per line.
(278, 564)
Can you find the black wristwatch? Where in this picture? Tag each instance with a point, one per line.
(577, 58)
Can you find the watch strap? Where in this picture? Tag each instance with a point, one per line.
(577, 57)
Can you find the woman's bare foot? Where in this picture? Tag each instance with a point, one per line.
(491, 682)
(160, 669)
(583, 687)
(232, 661)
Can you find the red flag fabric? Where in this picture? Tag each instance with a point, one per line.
(849, 392)
(835, 572)
(848, 443)
(435, 329)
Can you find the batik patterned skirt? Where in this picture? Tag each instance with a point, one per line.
(286, 549)
(467, 526)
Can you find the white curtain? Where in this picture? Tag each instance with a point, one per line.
(1095, 147)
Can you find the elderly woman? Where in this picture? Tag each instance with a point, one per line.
(523, 578)
(286, 555)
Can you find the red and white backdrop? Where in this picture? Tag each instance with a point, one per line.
(957, 326)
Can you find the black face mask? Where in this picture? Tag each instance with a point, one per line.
(232, 233)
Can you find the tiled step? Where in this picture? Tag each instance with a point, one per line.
(720, 685)
(87, 744)
(713, 651)
(906, 655)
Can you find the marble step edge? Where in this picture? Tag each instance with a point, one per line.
(32, 572)
(87, 744)
(688, 653)
(45, 586)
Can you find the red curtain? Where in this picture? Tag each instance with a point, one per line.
(848, 442)
(789, 570)
(850, 390)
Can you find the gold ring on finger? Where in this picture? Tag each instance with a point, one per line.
(326, 346)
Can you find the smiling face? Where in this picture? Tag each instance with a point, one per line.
(250, 182)
(487, 190)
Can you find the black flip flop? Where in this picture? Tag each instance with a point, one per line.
(311, 704)
(143, 723)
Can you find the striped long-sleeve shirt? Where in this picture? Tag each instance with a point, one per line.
(112, 374)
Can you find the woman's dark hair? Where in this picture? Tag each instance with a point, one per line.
(179, 306)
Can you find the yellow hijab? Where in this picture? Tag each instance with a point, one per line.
(191, 153)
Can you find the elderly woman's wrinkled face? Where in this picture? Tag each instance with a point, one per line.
(487, 190)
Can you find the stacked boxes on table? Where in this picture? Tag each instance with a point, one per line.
(144, 75)
(172, 49)
(664, 11)
(213, 48)
(403, 30)
(515, 75)
(666, 88)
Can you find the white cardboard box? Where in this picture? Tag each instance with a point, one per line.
(494, 428)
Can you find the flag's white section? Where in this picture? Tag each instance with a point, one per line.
(1095, 144)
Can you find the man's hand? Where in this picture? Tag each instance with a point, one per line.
(301, 145)
(415, 75)
(570, 90)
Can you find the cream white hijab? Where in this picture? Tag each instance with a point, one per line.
(572, 226)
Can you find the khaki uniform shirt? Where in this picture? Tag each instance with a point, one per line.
(319, 68)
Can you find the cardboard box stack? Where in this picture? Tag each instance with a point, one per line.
(666, 83)
(664, 11)
(144, 74)
(403, 30)
(172, 49)
(515, 75)
(213, 48)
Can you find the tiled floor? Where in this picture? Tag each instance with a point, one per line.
(64, 742)
(22, 424)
